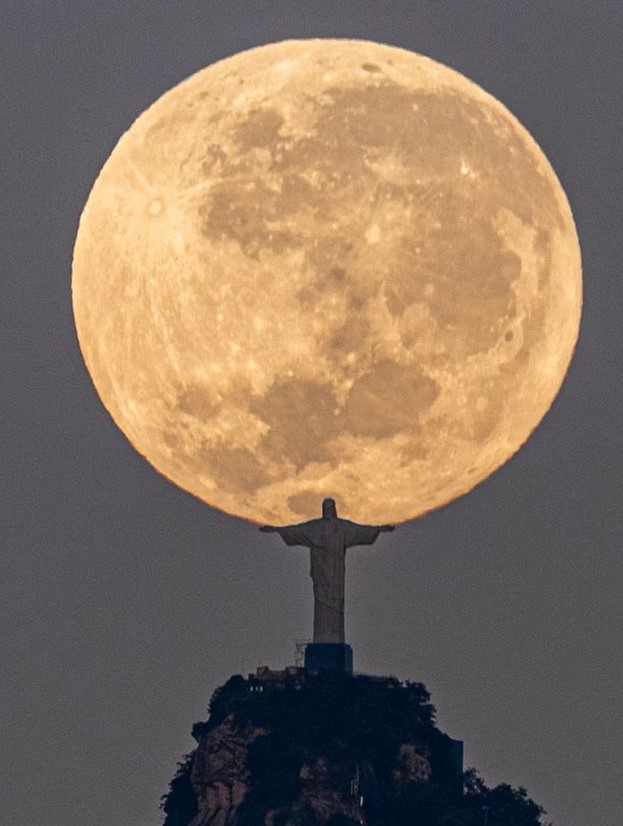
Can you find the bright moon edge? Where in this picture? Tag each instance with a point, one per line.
(108, 262)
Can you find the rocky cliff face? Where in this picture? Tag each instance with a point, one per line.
(287, 749)
(328, 786)
(220, 773)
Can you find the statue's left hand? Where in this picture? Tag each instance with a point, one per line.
(268, 528)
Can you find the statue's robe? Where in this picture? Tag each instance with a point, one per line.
(328, 540)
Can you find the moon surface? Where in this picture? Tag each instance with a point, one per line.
(327, 268)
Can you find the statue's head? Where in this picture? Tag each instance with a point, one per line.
(329, 511)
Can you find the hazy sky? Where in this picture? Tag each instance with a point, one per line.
(124, 601)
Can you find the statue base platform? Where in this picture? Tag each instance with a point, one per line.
(329, 656)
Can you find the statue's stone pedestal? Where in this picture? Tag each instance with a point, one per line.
(328, 656)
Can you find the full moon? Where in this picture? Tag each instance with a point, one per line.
(327, 268)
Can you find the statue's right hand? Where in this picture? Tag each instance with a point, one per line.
(268, 528)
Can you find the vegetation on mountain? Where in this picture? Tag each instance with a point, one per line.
(334, 736)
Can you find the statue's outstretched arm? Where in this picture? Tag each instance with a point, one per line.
(364, 534)
(291, 534)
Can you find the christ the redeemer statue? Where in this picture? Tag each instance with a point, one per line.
(328, 538)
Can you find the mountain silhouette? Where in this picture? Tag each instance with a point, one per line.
(292, 748)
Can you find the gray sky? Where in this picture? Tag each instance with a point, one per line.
(124, 601)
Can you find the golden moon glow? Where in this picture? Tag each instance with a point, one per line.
(327, 268)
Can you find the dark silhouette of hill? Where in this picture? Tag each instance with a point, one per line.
(295, 749)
